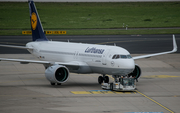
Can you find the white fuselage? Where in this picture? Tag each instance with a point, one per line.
(90, 57)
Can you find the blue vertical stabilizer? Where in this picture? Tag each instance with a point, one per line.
(36, 27)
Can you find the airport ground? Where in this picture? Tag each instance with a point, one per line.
(90, 0)
(24, 88)
(135, 44)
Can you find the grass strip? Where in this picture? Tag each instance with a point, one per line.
(14, 16)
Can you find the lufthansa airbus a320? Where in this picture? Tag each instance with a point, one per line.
(61, 58)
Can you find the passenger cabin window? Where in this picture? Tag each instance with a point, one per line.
(118, 56)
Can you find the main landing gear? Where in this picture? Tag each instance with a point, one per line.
(55, 84)
(102, 79)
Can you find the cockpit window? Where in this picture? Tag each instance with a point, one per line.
(129, 56)
(114, 57)
(123, 56)
(118, 56)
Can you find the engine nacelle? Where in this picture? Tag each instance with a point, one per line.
(136, 72)
(57, 74)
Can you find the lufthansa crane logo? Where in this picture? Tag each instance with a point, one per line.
(33, 20)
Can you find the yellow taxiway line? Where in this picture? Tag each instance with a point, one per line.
(100, 92)
(155, 102)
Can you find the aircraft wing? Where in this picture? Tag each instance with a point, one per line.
(74, 65)
(156, 54)
(23, 61)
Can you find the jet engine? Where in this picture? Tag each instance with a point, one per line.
(57, 74)
(136, 72)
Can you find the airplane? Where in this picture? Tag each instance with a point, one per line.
(62, 58)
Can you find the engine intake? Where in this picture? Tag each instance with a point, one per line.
(61, 74)
(57, 74)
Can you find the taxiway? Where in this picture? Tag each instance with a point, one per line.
(24, 88)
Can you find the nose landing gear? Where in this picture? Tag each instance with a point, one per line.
(120, 84)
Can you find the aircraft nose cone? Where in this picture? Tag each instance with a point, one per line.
(128, 64)
(132, 64)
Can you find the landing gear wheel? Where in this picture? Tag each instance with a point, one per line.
(52, 84)
(100, 79)
(58, 84)
(106, 79)
(111, 86)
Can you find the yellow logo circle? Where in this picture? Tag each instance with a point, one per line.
(33, 20)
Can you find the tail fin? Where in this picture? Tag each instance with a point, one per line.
(36, 27)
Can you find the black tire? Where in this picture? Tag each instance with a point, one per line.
(111, 86)
(106, 79)
(58, 84)
(100, 79)
(53, 84)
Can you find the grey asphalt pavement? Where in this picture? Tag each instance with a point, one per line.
(91, 0)
(24, 89)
